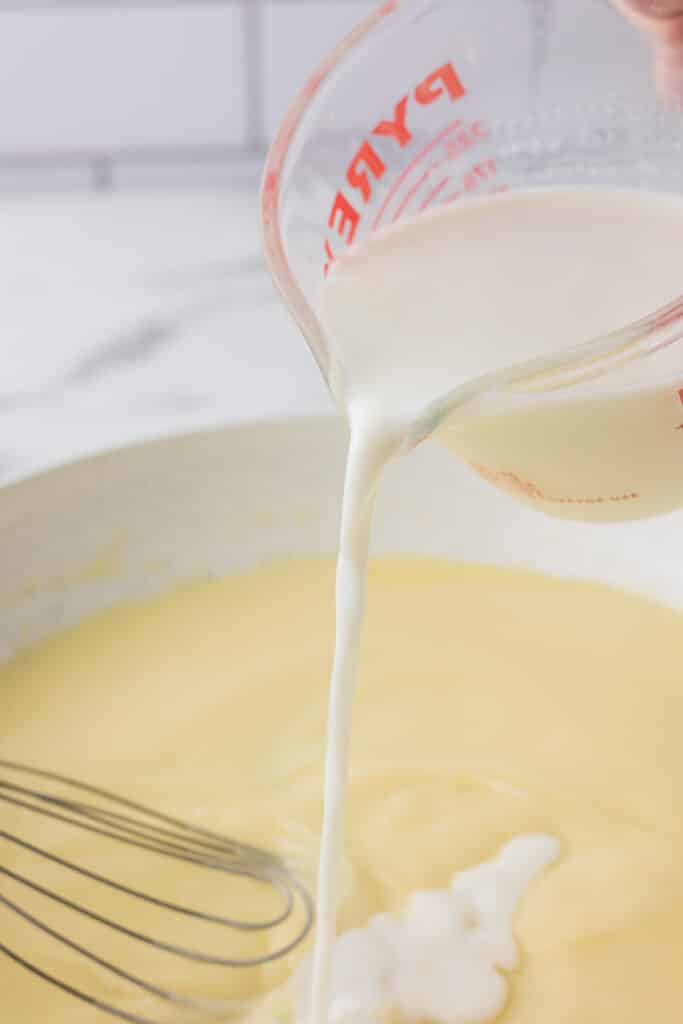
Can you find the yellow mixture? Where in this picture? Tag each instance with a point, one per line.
(492, 703)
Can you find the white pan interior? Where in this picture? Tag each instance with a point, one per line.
(133, 522)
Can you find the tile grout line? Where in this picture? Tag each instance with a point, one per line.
(252, 14)
(102, 168)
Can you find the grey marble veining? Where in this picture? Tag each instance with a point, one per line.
(137, 314)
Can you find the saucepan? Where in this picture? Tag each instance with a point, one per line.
(131, 524)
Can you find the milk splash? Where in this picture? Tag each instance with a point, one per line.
(443, 959)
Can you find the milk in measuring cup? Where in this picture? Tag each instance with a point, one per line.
(431, 304)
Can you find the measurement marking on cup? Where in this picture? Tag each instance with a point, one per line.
(466, 136)
(478, 133)
(476, 175)
(515, 484)
(453, 126)
(411, 193)
(435, 193)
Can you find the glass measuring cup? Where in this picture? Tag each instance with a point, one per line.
(430, 102)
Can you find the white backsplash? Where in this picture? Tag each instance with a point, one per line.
(94, 90)
(296, 36)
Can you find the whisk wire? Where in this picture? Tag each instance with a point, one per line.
(188, 857)
(83, 997)
(140, 827)
(100, 961)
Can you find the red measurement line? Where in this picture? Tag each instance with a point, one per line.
(411, 166)
(409, 195)
(435, 192)
(665, 344)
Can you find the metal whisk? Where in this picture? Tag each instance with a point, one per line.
(98, 812)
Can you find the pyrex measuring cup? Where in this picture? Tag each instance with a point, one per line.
(430, 102)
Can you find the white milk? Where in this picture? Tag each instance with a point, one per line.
(417, 311)
(442, 959)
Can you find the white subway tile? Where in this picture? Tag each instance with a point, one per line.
(297, 36)
(121, 77)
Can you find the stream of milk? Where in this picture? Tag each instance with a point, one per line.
(428, 305)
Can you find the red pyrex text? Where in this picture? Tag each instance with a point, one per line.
(367, 166)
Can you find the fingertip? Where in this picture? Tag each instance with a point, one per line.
(670, 79)
(653, 9)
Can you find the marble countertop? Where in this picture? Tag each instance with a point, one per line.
(132, 315)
